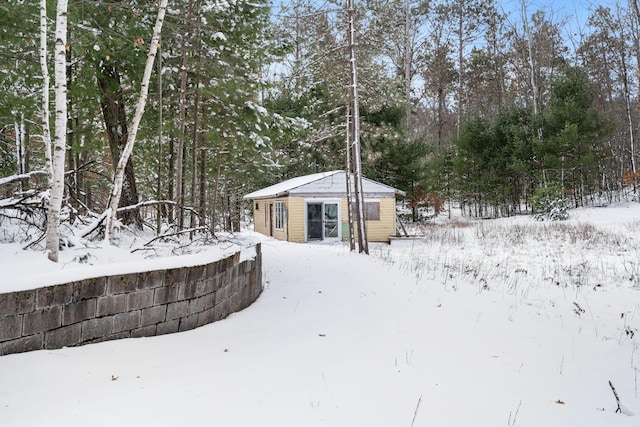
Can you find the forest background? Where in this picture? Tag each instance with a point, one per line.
(500, 108)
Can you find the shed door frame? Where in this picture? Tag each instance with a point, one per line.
(327, 213)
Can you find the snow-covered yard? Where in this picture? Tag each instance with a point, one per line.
(502, 322)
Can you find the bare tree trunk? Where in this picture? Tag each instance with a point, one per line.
(60, 137)
(216, 192)
(194, 150)
(627, 95)
(21, 151)
(160, 159)
(142, 101)
(170, 181)
(196, 125)
(46, 127)
(352, 240)
(635, 28)
(532, 70)
(203, 188)
(362, 230)
(115, 119)
(460, 69)
(182, 118)
(408, 55)
(72, 155)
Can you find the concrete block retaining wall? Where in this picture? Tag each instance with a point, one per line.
(128, 305)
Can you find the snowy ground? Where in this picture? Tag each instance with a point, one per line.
(504, 322)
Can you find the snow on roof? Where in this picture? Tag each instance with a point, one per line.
(324, 182)
(287, 185)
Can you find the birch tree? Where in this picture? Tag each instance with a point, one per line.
(60, 136)
(118, 179)
(46, 130)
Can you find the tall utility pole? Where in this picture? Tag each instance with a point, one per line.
(352, 241)
(363, 245)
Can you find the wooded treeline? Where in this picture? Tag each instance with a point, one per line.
(459, 101)
(464, 102)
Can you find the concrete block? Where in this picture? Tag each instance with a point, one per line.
(63, 337)
(146, 331)
(89, 288)
(204, 287)
(96, 328)
(54, 295)
(150, 279)
(17, 302)
(169, 327)
(234, 303)
(219, 312)
(195, 273)
(187, 291)
(174, 275)
(122, 283)
(111, 304)
(10, 327)
(42, 320)
(211, 270)
(153, 315)
(206, 317)
(118, 336)
(140, 299)
(176, 310)
(78, 311)
(202, 303)
(188, 323)
(234, 274)
(221, 295)
(126, 321)
(166, 294)
(20, 345)
(217, 283)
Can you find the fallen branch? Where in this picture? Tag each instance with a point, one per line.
(153, 203)
(176, 233)
(20, 177)
(615, 394)
(415, 413)
(35, 242)
(94, 225)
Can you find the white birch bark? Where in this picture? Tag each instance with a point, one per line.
(532, 69)
(18, 128)
(46, 128)
(60, 135)
(116, 191)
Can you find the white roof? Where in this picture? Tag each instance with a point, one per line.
(333, 183)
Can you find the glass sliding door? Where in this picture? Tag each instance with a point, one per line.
(323, 221)
(314, 221)
(331, 220)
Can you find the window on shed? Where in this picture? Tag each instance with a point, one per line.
(266, 214)
(279, 215)
(371, 211)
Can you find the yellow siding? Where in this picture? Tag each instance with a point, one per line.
(296, 219)
(259, 218)
(377, 231)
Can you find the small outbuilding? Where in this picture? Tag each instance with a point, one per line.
(314, 207)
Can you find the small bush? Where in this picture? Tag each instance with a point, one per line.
(549, 204)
